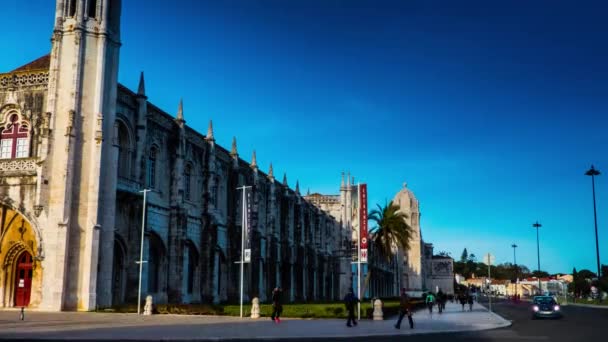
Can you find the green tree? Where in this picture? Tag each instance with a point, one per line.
(391, 231)
(465, 255)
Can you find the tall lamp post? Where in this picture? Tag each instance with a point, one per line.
(515, 265)
(537, 226)
(593, 172)
(141, 249)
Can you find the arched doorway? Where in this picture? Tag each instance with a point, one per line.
(118, 273)
(23, 279)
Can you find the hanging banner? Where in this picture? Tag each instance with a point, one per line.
(248, 206)
(363, 222)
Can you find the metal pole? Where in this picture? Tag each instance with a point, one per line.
(359, 253)
(597, 246)
(515, 265)
(537, 226)
(489, 285)
(242, 248)
(141, 251)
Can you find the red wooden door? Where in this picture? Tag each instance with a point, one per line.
(23, 279)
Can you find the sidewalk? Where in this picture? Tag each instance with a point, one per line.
(594, 306)
(106, 326)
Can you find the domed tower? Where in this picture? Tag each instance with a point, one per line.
(411, 277)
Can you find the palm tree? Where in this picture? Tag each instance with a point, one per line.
(392, 232)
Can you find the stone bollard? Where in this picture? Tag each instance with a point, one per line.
(149, 306)
(378, 314)
(255, 308)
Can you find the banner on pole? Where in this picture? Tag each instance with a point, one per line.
(363, 224)
(248, 206)
(364, 255)
(247, 256)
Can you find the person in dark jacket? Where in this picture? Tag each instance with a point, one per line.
(350, 300)
(441, 298)
(470, 301)
(462, 298)
(277, 306)
(405, 308)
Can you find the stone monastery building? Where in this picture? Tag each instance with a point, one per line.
(76, 150)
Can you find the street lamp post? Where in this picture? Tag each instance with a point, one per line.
(593, 172)
(537, 226)
(515, 265)
(141, 249)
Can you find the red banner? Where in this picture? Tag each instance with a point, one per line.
(363, 215)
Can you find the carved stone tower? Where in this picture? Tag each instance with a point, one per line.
(81, 154)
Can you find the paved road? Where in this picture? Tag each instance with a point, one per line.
(578, 324)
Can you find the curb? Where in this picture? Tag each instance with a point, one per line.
(591, 306)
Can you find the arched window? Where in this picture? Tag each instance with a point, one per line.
(71, 8)
(92, 8)
(124, 151)
(187, 184)
(15, 138)
(152, 167)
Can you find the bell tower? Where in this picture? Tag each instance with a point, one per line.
(79, 153)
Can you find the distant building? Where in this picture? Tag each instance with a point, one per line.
(418, 270)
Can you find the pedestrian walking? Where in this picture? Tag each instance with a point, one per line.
(470, 300)
(462, 298)
(430, 301)
(441, 298)
(277, 305)
(349, 301)
(405, 308)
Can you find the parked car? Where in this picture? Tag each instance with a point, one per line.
(545, 307)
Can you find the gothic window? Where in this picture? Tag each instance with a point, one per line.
(71, 8)
(152, 167)
(187, 177)
(92, 8)
(124, 151)
(14, 141)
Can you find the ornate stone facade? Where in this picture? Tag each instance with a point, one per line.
(78, 148)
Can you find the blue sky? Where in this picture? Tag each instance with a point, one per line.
(491, 111)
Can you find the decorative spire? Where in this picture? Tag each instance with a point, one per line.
(141, 89)
(180, 112)
(285, 178)
(254, 162)
(348, 180)
(234, 152)
(270, 172)
(297, 187)
(308, 192)
(342, 181)
(209, 136)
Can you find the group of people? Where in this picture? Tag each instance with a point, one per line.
(405, 308)
(466, 298)
(405, 305)
(440, 299)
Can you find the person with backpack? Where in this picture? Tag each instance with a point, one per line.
(430, 301)
(349, 301)
(405, 308)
